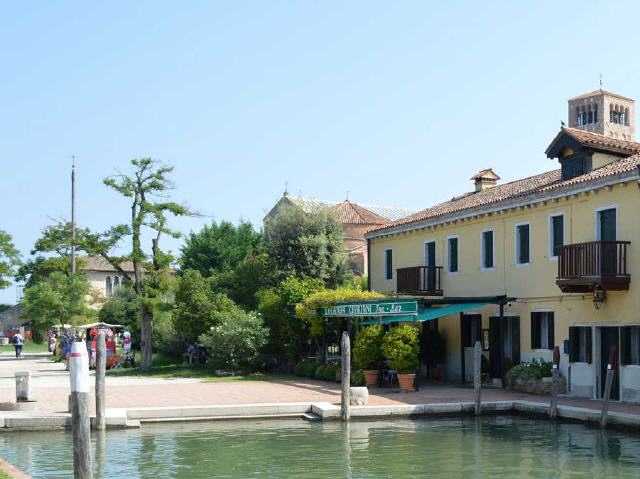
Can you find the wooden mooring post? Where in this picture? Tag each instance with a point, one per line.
(611, 368)
(555, 384)
(101, 370)
(80, 421)
(345, 396)
(477, 378)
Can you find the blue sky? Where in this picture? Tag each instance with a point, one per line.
(398, 103)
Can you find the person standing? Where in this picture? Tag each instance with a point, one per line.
(17, 344)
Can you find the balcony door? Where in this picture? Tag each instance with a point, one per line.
(430, 262)
(606, 231)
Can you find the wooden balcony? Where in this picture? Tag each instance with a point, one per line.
(583, 267)
(423, 280)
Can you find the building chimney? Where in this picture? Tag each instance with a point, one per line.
(485, 179)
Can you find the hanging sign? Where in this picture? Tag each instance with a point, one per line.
(382, 308)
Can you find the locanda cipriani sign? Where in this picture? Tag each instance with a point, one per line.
(370, 309)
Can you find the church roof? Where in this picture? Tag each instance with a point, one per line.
(98, 263)
(600, 92)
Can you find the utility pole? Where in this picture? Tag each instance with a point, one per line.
(73, 214)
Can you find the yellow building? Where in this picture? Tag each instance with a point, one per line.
(557, 250)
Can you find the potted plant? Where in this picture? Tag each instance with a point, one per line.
(434, 349)
(367, 353)
(401, 347)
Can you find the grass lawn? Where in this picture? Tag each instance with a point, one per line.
(4, 475)
(29, 347)
(169, 368)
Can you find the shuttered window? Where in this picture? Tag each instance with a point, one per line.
(487, 249)
(542, 330)
(388, 264)
(580, 345)
(630, 345)
(522, 244)
(556, 235)
(453, 255)
(471, 329)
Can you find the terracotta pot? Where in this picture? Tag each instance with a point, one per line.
(371, 376)
(406, 381)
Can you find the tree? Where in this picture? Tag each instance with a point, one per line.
(235, 341)
(196, 305)
(243, 282)
(59, 299)
(289, 337)
(219, 248)
(123, 308)
(147, 188)
(9, 259)
(307, 244)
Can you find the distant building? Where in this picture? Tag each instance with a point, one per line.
(102, 276)
(11, 320)
(356, 219)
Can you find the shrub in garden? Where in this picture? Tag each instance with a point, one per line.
(367, 350)
(235, 341)
(536, 369)
(306, 369)
(357, 378)
(401, 347)
(326, 372)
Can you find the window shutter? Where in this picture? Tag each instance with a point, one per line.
(574, 346)
(515, 340)
(589, 345)
(550, 322)
(525, 244)
(625, 345)
(535, 331)
(558, 234)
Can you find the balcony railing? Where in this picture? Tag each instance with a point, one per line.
(583, 267)
(420, 280)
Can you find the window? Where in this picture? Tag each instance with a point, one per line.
(595, 113)
(116, 282)
(542, 330)
(580, 344)
(556, 234)
(486, 260)
(523, 255)
(108, 286)
(388, 264)
(453, 254)
(630, 345)
(590, 118)
(471, 329)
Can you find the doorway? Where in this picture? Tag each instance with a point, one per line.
(504, 344)
(609, 336)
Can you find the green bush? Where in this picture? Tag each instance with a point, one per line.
(401, 347)
(536, 369)
(234, 343)
(306, 369)
(326, 372)
(357, 378)
(367, 350)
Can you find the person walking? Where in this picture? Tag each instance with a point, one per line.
(17, 344)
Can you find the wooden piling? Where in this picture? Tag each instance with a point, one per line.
(477, 378)
(101, 369)
(345, 397)
(80, 422)
(611, 366)
(555, 385)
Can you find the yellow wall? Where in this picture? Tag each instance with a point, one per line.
(534, 284)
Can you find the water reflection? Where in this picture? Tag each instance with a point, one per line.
(509, 447)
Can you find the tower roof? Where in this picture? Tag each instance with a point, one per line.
(600, 92)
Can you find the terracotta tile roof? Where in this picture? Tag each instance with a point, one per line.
(389, 213)
(597, 141)
(600, 92)
(494, 196)
(354, 214)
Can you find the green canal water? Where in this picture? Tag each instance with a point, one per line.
(492, 447)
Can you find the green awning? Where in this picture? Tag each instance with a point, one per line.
(428, 314)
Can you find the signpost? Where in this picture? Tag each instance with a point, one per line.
(370, 308)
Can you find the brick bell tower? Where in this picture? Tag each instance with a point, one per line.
(605, 113)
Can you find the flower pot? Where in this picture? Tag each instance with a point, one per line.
(437, 372)
(371, 377)
(406, 381)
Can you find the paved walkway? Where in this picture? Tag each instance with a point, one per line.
(50, 386)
